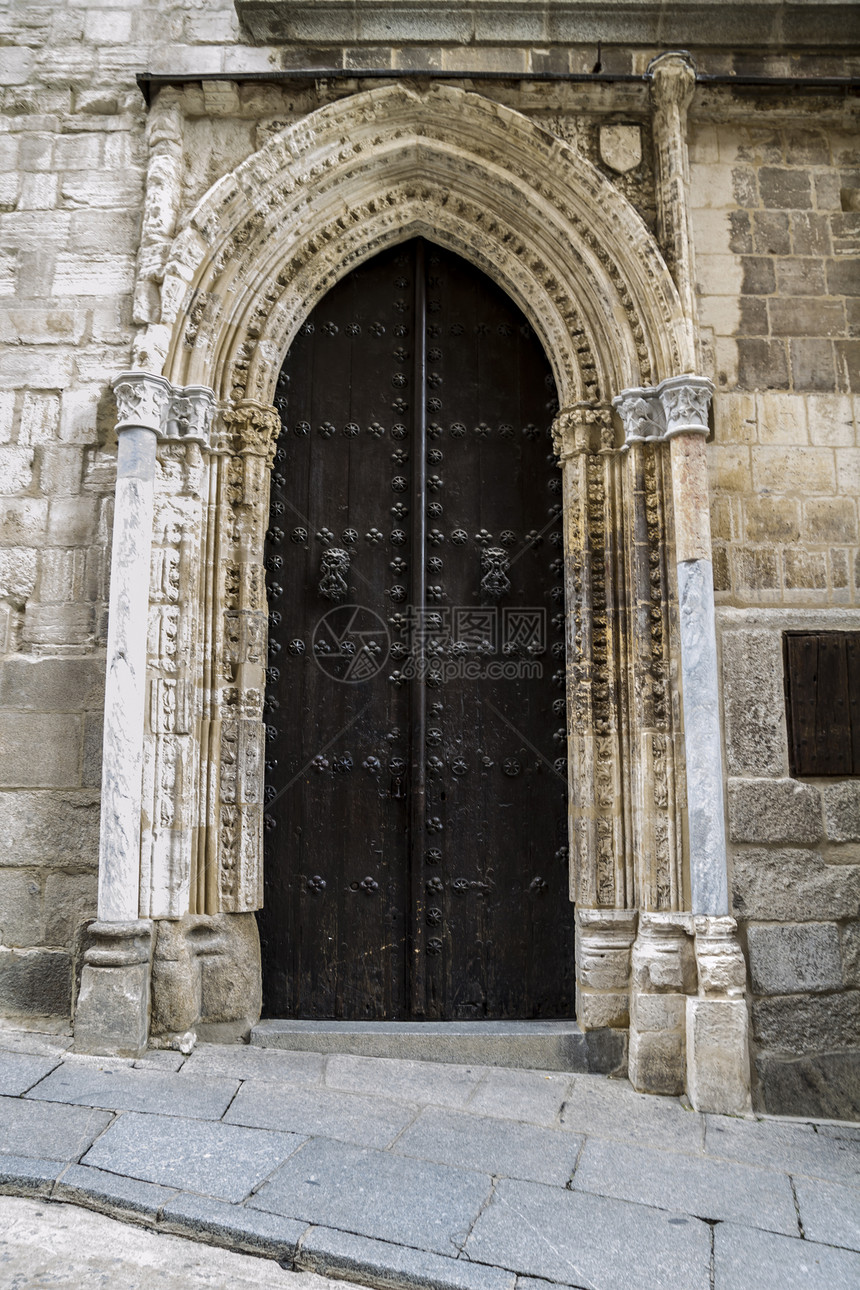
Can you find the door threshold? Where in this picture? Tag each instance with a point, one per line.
(527, 1045)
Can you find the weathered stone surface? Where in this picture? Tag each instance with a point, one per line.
(745, 1257)
(84, 1084)
(794, 958)
(493, 1146)
(20, 1071)
(829, 1213)
(756, 741)
(347, 1116)
(48, 1130)
(808, 1023)
(119, 1196)
(826, 1085)
(35, 982)
(341, 1254)
(238, 1227)
(68, 828)
(790, 885)
(842, 811)
(717, 1055)
(783, 810)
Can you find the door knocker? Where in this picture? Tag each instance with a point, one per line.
(334, 568)
(494, 567)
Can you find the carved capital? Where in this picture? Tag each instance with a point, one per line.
(142, 400)
(582, 428)
(641, 414)
(189, 415)
(678, 405)
(686, 400)
(256, 426)
(673, 80)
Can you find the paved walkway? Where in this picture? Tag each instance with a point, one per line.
(439, 1176)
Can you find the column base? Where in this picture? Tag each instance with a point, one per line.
(112, 1013)
(717, 1022)
(603, 941)
(663, 973)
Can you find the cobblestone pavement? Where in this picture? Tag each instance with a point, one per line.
(441, 1176)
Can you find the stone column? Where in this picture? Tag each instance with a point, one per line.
(113, 1005)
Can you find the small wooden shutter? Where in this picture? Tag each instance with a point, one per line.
(822, 699)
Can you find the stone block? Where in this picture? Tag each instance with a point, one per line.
(121, 1197)
(368, 1121)
(831, 420)
(376, 1194)
(774, 810)
(759, 275)
(104, 275)
(823, 1085)
(656, 1011)
(729, 468)
(802, 316)
(812, 364)
(40, 750)
(16, 65)
(234, 1226)
(70, 901)
(753, 697)
(795, 958)
(717, 1055)
(850, 946)
(762, 364)
(492, 1146)
(357, 1258)
(48, 1130)
(771, 233)
(17, 573)
(20, 1071)
(829, 1213)
(735, 418)
(16, 465)
(648, 1247)
(791, 885)
(784, 189)
(127, 1089)
(219, 1160)
(40, 415)
(20, 1176)
(744, 1257)
(831, 519)
(21, 893)
(596, 1009)
(810, 233)
(68, 828)
(808, 1024)
(848, 364)
(842, 811)
(800, 276)
(656, 1061)
(32, 683)
(35, 982)
(772, 519)
(805, 569)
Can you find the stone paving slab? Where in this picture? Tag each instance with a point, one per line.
(234, 1226)
(335, 1253)
(112, 1193)
(377, 1194)
(532, 1096)
(220, 1160)
(796, 1148)
(366, 1121)
(36, 1042)
(20, 1176)
(437, 1083)
(48, 1130)
(829, 1212)
(747, 1259)
(501, 1147)
(580, 1239)
(126, 1089)
(239, 1061)
(705, 1188)
(611, 1109)
(20, 1071)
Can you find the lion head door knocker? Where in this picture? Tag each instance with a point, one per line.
(494, 568)
(334, 568)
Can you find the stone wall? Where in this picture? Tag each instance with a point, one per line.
(775, 181)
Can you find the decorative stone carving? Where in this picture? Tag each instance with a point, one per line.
(112, 1012)
(620, 146)
(686, 400)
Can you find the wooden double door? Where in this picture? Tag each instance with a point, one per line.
(416, 783)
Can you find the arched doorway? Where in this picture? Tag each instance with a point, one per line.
(416, 820)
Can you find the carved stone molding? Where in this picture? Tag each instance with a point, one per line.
(678, 405)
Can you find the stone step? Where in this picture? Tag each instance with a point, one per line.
(530, 1045)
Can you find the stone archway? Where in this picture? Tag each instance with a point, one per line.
(247, 265)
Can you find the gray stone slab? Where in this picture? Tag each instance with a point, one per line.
(20, 1071)
(538, 1283)
(16, 1040)
(20, 1176)
(438, 1083)
(112, 1193)
(829, 1213)
(319, 1112)
(220, 1160)
(531, 1045)
(239, 1061)
(494, 1146)
(612, 1109)
(580, 1239)
(127, 1089)
(341, 1254)
(48, 1129)
(706, 1188)
(377, 1194)
(745, 1258)
(797, 1149)
(235, 1226)
(533, 1096)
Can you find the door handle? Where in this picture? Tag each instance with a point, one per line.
(494, 570)
(334, 569)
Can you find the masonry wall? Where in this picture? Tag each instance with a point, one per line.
(775, 192)
(777, 231)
